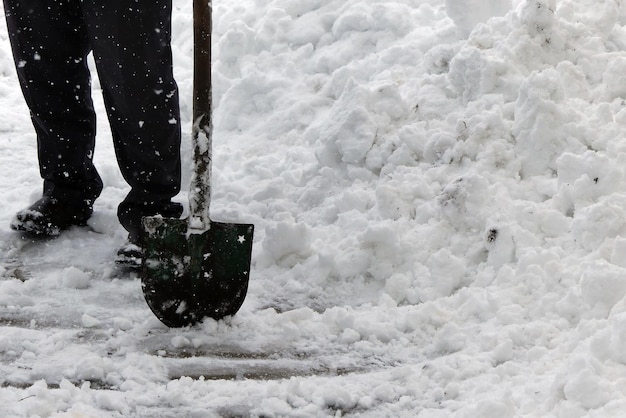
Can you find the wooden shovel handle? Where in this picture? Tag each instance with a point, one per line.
(200, 188)
(203, 22)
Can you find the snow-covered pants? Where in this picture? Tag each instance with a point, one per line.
(131, 45)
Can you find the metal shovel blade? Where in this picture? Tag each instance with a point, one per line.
(187, 277)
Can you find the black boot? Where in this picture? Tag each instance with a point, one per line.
(49, 216)
(129, 256)
(130, 216)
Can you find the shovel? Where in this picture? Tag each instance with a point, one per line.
(196, 268)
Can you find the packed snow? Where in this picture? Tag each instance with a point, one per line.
(438, 192)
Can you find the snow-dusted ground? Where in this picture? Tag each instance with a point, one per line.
(438, 192)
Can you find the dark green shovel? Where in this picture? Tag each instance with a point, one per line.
(196, 268)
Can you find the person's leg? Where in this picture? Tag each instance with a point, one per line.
(50, 46)
(131, 44)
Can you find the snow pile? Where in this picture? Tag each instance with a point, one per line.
(467, 14)
(438, 193)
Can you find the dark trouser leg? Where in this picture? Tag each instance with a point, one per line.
(50, 45)
(132, 50)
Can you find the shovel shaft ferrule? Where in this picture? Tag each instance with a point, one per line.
(200, 189)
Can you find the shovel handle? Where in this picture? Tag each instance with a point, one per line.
(203, 22)
(202, 129)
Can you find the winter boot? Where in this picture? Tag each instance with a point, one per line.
(129, 255)
(49, 216)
